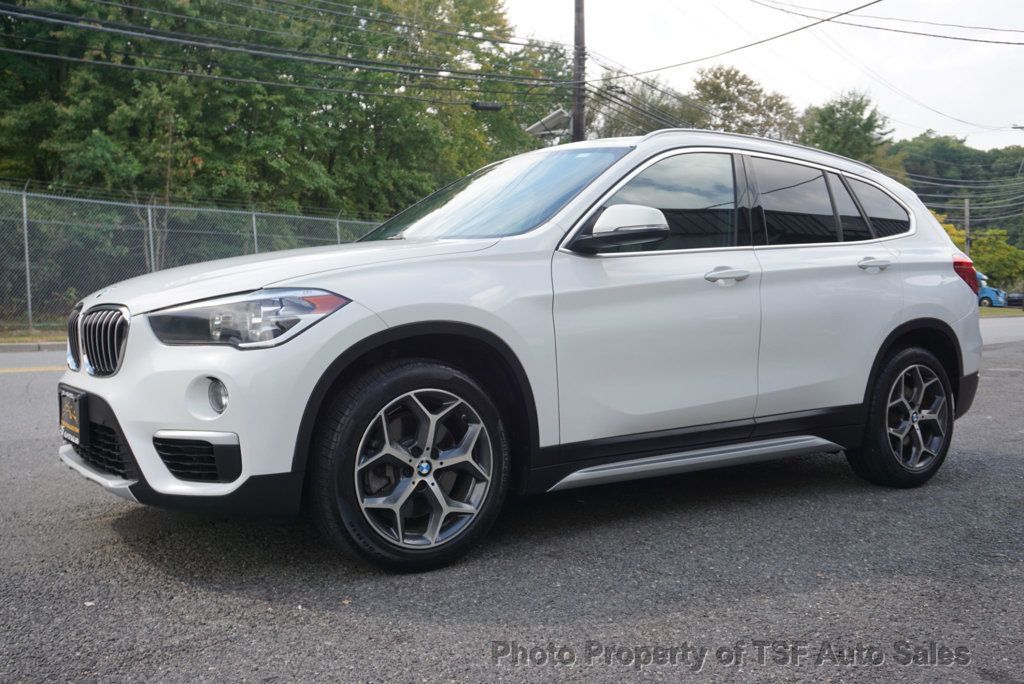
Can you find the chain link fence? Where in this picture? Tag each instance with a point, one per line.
(55, 249)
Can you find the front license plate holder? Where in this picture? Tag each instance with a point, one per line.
(74, 421)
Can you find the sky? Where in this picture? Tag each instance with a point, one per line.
(970, 90)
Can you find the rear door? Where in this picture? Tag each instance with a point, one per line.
(650, 338)
(830, 292)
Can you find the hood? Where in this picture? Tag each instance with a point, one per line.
(242, 274)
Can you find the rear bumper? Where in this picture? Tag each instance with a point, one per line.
(965, 394)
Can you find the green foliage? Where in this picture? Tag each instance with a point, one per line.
(740, 105)
(849, 125)
(613, 111)
(951, 162)
(226, 127)
(991, 253)
(164, 136)
(722, 98)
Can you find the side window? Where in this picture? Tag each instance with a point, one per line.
(852, 221)
(796, 203)
(697, 194)
(886, 215)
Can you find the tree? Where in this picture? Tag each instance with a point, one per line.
(991, 253)
(308, 134)
(737, 103)
(849, 125)
(169, 122)
(623, 107)
(944, 170)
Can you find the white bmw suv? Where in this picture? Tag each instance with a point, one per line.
(585, 314)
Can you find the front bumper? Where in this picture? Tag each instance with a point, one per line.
(160, 388)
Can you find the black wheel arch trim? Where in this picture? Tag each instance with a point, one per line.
(315, 402)
(918, 325)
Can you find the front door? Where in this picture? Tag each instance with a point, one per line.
(655, 338)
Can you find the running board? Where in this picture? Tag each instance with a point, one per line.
(697, 459)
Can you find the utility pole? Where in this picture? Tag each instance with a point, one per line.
(1018, 127)
(967, 225)
(579, 75)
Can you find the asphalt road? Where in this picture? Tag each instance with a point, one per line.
(796, 551)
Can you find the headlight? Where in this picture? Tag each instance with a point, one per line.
(264, 318)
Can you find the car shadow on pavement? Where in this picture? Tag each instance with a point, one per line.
(733, 523)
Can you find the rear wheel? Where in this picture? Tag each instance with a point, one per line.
(984, 301)
(910, 421)
(411, 466)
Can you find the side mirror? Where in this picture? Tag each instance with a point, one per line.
(623, 224)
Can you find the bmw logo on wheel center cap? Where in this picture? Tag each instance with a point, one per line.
(423, 468)
(914, 417)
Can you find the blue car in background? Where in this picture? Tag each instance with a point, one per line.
(989, 296)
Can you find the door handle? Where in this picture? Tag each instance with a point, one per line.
(723, 275)
(868, 263)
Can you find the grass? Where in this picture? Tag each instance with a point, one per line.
(32, 335)
(999, 312)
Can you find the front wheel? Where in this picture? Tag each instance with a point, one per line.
(984, 301)
(410, 466)
(910, 421)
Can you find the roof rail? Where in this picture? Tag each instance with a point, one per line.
(662, 131)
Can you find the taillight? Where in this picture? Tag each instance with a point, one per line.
(964, 268)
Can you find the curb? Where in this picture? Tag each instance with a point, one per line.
(31, 346)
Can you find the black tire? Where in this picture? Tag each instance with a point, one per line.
(984, 301)
(876, 460)
(335, 503)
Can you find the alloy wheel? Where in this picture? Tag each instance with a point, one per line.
(423, 468)
(918, 417)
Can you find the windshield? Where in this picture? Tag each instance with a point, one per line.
(507, 198)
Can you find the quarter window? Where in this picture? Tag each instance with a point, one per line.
(886, 215)
(796, 203)
(697, 194)
(854, 226)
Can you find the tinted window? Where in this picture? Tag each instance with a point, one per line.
(796, 203)
(886, 215)
(506, 198)
(853, 223)
(696, 193)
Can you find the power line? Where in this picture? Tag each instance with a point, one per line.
(741, 27)
(609, 63)
(985, 194)
(230, 79)
(260, 50)
(887, 28)
(985, 219)
(665, 120)
(1010, 180)
(795, 65)
(404, 21)
(750, 45)
(970, 185)
(974, 206)
(677, 121)
(908, 21)
(205, 65)
(635, 115)
(848, 57)
(918, 155)
(256, 29)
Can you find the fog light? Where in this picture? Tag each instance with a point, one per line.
(218, 394)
